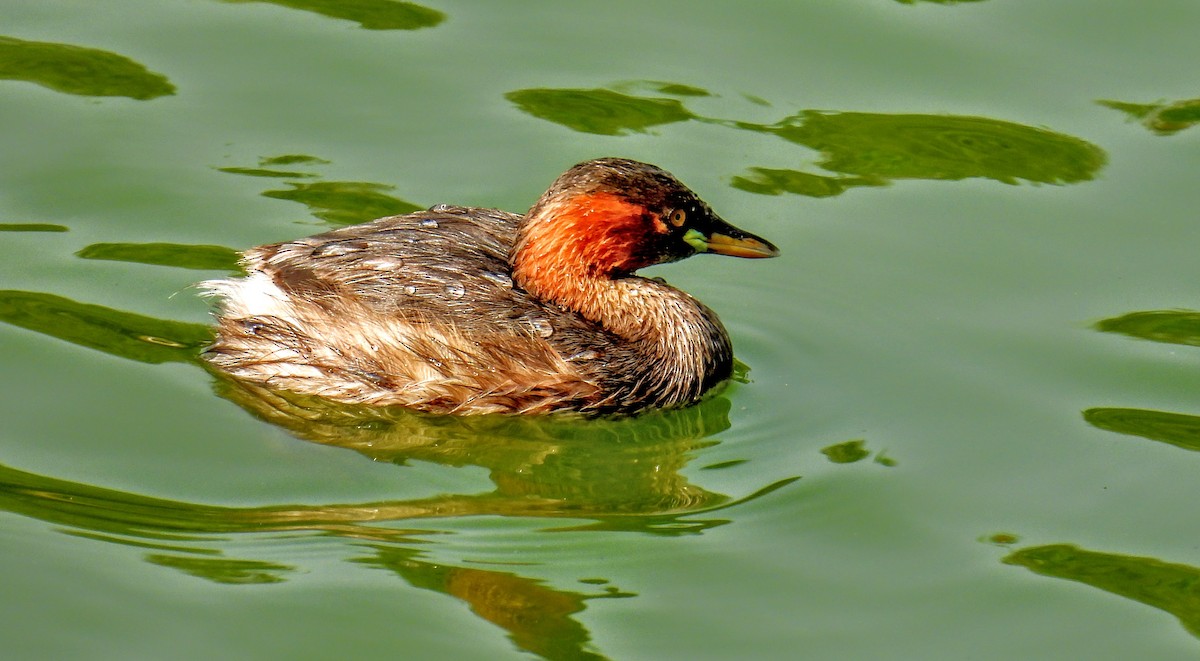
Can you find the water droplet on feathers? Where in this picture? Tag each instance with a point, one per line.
(383, 263)
(541, 327)
(338, 248)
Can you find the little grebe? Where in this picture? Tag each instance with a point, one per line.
(467, 310)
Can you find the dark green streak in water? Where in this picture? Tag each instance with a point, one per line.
(599, 111)
(292, 159)
(339, 202)
(676, 89)
(264, 172)
(79, 70)
(345, 202)
(847, 452)
(124, 334)
(942, 147)
(370, 14)
(32, 227)
(1169, 326)
(229, 571)
(1162, 118)
(200, 257)
(85, 507)
(1169, 587)
(1178, 429)
(771, 181)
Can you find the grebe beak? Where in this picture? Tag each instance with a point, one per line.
(725, 239)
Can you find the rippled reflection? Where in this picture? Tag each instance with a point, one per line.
(338, 202)
(1165, 118)
(623, 473)
(370, 14)
(1163, 585)
(855, 149)
(584, 474)
(78, 70)
(538, 618)
(189, 538)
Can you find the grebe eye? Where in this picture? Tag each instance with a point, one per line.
(678, 217)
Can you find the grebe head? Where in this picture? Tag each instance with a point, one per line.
(609, 217)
